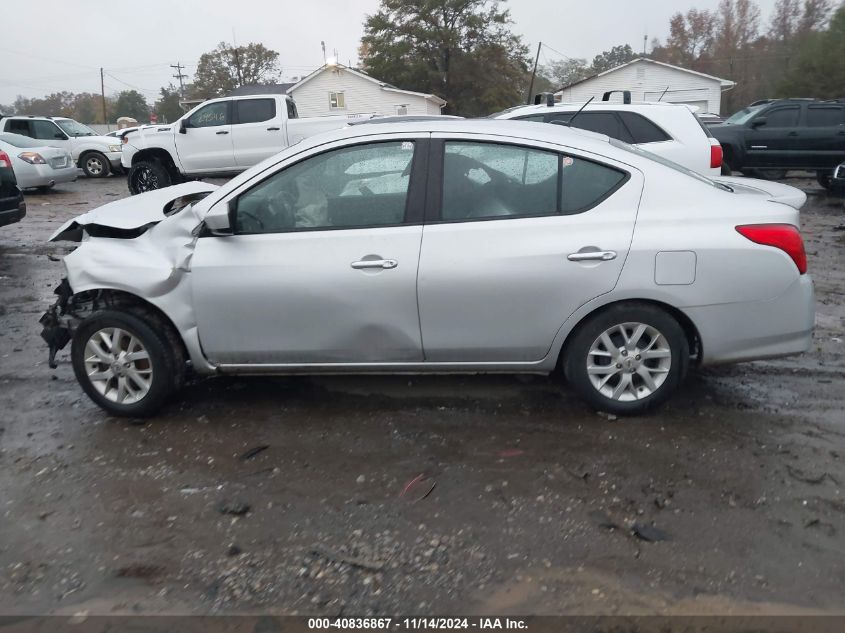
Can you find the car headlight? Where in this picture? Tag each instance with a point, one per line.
(33, 158)
(114, 148)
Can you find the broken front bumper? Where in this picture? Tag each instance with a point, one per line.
(56, 331)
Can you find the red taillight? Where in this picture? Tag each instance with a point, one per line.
(715, 156)
(783, 236)
(5, 161)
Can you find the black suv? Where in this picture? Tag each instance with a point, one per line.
(782, 134)
(12, 206)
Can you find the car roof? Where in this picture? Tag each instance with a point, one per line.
(603, 105)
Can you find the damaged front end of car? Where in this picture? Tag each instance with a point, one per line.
(133, 254)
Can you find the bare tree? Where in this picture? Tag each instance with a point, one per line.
(784, 22)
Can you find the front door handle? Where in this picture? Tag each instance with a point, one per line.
(589, 256)
(375, 263)
(273, 129)
(222, 132)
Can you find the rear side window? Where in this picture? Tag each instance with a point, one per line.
(255, 110)
(606, 123)
(540, 118)
(825, 116)
(292, 113)
(16, 126)
(494, 181)
(642, 130)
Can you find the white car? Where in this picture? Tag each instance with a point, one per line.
(35, 164)
(435, 247)
(666, 129)
(98, 156)
(220, 137)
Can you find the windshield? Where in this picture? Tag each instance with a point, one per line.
(743, 115)
(74, 128)
(634, 149)
(20, 141)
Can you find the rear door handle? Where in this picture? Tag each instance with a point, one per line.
(374, 263)
(600, 256)
(273, 129)
(222, 132)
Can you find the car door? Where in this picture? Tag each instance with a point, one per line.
(516, 239)
(322, 265)
(771, 137)
(821, 142)
(257, 132)
(205, 143)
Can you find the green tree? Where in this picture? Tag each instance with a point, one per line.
(564, 72)
(461, 50)
(616, 56)
(229, 67)
(817, 70)
(167, 107)
(131, 103)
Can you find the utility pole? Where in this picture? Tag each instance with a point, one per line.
(645, 42)
(178, 67)
(103, 95)
(533, 74)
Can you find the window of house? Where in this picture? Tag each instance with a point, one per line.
(351, 187)
(402, 109)
(337, 101)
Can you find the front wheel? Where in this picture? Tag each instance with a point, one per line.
(123, 363)
(627, 359)
(148, 175)
(96, 165)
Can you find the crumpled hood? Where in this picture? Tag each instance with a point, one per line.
(775, 191)
(132, 212)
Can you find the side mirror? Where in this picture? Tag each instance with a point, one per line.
(758, 122)
(839, 172)
(221, 218)
(182, 127)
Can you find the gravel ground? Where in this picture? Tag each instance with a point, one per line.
(285, 495)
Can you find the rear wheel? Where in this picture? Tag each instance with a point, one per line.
(627, 359)
(148, 175)
(124, 363)
(95, 165)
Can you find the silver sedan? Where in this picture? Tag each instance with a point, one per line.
(35, 164)
(437, 246)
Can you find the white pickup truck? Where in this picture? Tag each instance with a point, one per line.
(220, 137)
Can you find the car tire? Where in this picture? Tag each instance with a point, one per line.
(627, 378)
(95, 165)
(129, 387)
(148, 175)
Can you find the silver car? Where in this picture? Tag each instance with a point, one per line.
(36, 164)
(436, 246)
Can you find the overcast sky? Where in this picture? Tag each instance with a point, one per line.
(53, 45)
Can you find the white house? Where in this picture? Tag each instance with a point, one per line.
(338, 89)
(650, 80)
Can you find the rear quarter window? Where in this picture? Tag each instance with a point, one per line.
(642, 130)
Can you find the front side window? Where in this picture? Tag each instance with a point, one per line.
(337, 101)
(352, 187)
(488, 180)
(825, 116)
(782, 117)
(255, 110)
(211, 115)
(75, 128)
(46, 130)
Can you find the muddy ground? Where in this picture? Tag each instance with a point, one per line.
(285, 495)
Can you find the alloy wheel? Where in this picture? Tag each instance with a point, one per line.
(118, 365)
(94, 165)
(145, 180)
(629, 361)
